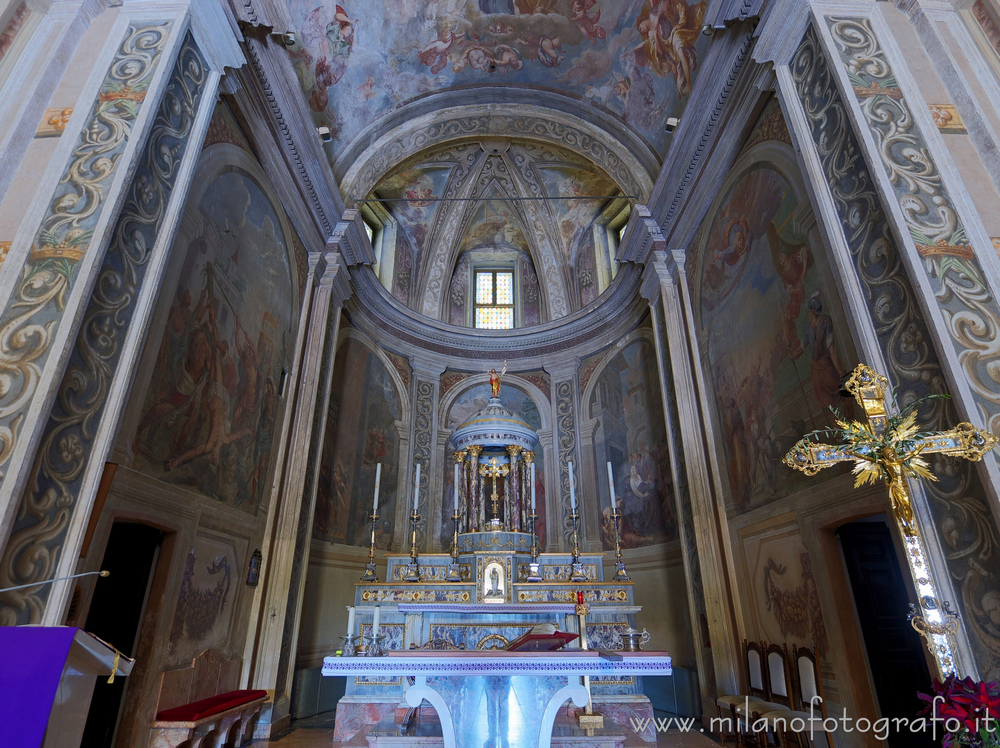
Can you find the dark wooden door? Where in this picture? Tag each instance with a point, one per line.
(115, 616)
(895, 651)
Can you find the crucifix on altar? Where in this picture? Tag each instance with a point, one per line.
(890, 448)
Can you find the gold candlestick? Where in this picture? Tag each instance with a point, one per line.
(620, 575)
(413, 571)
(369, 575)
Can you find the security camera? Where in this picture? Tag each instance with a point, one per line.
(671, 124)
(707, 29)
(288, 39)
(324, 134)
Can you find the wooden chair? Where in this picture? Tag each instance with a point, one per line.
(736, 709)
(762, 722)
(811, 714)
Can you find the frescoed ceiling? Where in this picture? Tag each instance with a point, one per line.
(506, 195)
(358, 59)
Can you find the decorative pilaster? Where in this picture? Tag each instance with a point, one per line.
(80, 429)
(44, 301)
(426, 393)
(566, 399)
(890, 328)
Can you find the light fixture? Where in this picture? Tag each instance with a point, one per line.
(671, 124)
(324, 134)
(253, 573)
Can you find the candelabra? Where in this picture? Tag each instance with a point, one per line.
(374, 648)
(370, 566)
(350, 645)
(454, 575)
(534, 568)
(412, 570)
(577, 574)
(620, 575)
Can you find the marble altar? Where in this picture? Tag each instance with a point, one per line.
(492, 588)
(488, 698)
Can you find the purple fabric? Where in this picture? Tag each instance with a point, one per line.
(32, 659)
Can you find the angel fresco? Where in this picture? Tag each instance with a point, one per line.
(669, 30)
(326, 47)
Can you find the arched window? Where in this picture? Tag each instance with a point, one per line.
(493, 307)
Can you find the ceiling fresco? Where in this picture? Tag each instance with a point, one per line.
(358, 58)
(514, 195)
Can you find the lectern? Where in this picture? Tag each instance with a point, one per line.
(47, 677)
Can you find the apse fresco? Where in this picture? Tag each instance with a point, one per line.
(637, 58)
(468, 404)
(774, 349)
(502, 214)
(630, 434)
(360, 434)
(408, 195)
(209, 418)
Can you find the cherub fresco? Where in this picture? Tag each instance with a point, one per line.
(586, 47)
(669, 30)
(331, 41)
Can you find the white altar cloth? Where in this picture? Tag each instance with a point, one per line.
(470, 690)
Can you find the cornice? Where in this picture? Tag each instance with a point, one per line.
(384, 319)
(272, 77)
(703, 131)
(351, 240)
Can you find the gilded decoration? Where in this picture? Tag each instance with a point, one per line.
(963, 518)
(31, 319)
(78, 412)
(407, 595)
(569, 595)
(967, 302)
(54, 122)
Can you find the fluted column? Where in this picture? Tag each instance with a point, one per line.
(664, 276)
(279, 606)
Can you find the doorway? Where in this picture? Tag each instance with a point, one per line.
(895, 651)
(115, 616)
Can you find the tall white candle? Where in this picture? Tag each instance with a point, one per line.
(416, 490)
(456, 488)
(532, 488)
(350, 620)
(375, 622)
(572, 489)
(611, 484)
(378, 477)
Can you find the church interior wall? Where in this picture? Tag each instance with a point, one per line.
(197, 447)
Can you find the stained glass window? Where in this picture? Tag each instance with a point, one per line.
(494, 299)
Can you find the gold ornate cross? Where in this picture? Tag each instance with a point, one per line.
(891, 448)
(494, 470)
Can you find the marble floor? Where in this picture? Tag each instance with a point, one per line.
(317, 732)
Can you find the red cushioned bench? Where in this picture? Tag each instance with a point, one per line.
(219, 720)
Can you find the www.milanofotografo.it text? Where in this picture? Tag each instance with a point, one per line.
(881, 728)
